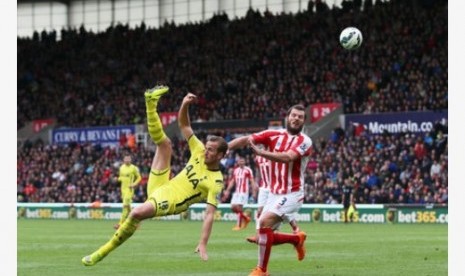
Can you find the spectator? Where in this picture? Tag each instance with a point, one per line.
(435, 169)
(406, 73)
(123, 140)
(131, 141)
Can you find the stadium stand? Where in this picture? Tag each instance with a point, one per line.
(84, 79)
(88, 79)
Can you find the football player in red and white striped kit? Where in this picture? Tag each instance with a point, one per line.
(264, 169)
(243, 178)
(288, 150)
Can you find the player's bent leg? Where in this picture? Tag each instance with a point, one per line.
(122, 234)
(163, 154)
(154, 125)
(126, 230)
(161, 167)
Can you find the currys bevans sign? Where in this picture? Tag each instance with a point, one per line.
(398, 122)
(106, 136)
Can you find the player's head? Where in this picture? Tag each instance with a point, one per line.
(241, 162)
(127, 159)
(215, 149)
(295, 119)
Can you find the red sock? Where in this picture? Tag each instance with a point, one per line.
(280, 238)
(243, 216)
(265, 241)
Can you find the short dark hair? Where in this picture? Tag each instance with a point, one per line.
(298, 107)
(222, 144)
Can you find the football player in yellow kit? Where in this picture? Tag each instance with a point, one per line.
(200, 181)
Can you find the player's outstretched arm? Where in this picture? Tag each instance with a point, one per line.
(283, 157)
(206, 231)
(238, 143)
(184, 122)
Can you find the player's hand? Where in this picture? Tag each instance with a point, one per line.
(254, 147)
(189, 98)
(202, 252)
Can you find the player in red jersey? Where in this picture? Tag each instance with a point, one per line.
(263, 166)
(288, 150)
(242, 178)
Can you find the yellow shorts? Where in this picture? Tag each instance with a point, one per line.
(169, 200)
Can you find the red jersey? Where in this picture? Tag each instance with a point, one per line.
(264, 168)
(286, 177)
(242, 177)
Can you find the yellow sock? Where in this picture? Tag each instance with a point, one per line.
(125, 213)
(154, 124)
(156, 179)
(122, 234)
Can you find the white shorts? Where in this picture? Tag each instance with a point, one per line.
(284, 206)
(240, 199)
(262, 196)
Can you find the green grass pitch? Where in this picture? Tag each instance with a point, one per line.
(55, 247)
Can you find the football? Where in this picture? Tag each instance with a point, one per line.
(351, 38)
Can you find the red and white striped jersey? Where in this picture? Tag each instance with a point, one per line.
(242, 177)
(264, 168)
(286, 177)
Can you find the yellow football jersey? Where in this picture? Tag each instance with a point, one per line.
(195, 183)
(128, 174)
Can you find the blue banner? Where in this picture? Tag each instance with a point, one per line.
(106, 136)
(399, 122)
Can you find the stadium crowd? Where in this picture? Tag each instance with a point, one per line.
(85, 78)
(88, 79)
(404, 168)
